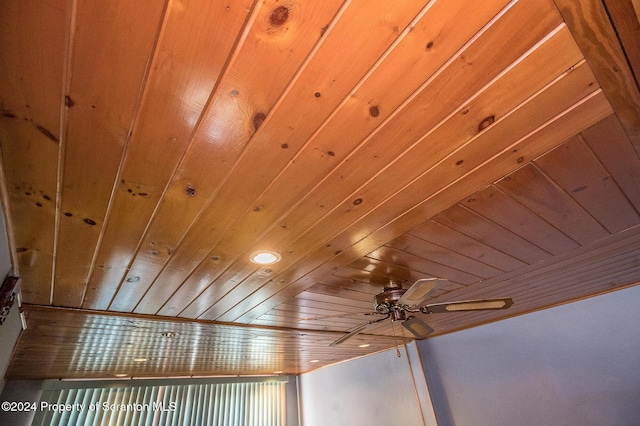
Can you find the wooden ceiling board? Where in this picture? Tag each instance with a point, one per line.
(513, 216)
(577, 170)
(297, 222)
(304, 313)
(176, 94)
(340, 291)
(423, 265)
(148, 150)
(316, 308)
(363, 111)
(547, 199)
(405, 201)
(376, 177)
(456, 241)
(105, 74)
(348, 278)
(610, 258)
(614, 150)
(336, 300)
(364, 159)
(33, 49)
(401, 273)
(298, 114)
(335, 324)
(482, 229)
(97, 343)
(418, 247)
(583, 115)
(219, 142)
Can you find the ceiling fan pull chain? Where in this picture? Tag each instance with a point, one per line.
(395, 339)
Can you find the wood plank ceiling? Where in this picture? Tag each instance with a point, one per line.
(149, 147)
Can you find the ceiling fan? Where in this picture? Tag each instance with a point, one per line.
(397, 304)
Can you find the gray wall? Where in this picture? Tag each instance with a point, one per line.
(576, 364)
(379, 389)
(20, 391)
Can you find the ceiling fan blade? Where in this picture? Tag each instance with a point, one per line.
(418, 291)
(468, 305)
(357, 330)
(417, 327)
(350, 314)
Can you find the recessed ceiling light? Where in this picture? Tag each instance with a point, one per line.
(277, 372)
(121, 375)
(315, 360)
(141, 359)
(265, 257)
(364, 345)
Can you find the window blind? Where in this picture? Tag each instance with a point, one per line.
(228, 404)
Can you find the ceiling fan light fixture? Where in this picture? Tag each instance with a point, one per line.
(265, 257)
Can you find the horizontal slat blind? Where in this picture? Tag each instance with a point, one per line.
(228, 404)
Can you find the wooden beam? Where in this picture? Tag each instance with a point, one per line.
(593, 31)
(626, 22)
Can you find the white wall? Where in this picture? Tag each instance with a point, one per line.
(576, 364)
(379, 389)
(9, 333)
(11, 328)
(5, 259)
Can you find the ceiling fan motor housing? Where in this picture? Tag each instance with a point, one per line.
(385, 302)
